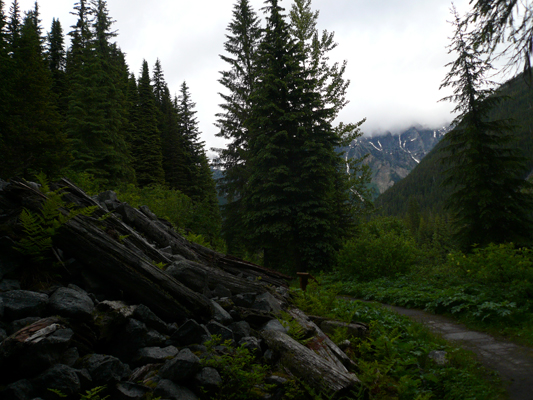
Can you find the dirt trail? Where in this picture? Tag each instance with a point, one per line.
(514, 363)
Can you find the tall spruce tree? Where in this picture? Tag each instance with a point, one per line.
(289, 194)
(33, 140)
(97, 103)
(57, 59)
(199, 184)
(244, 34)
(14, 26)
(353, 198)
(485, 170)
(174, 158)
(6, 73)
(316, 47)
(192, 145)
(146, 140)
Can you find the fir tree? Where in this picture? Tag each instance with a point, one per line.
(241, 46)
(34, 140)
(289, 195)
(6, 74)
(56, 55)
(192, 145)
(97, 103)
(146, 141)
(174, 159)
(316, 47)
(14, 26)
(485, 171)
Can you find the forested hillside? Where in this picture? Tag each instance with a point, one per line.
(80, 111)
(424, 184)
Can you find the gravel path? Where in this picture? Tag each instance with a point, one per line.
(514, 363)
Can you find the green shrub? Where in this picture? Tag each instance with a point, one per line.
(501, 266)
(383, 247)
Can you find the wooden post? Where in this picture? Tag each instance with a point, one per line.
(304, 279)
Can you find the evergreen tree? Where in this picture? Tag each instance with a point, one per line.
(146, 141)
(174, 158)
(57, 63)
(33, 139)
(199, 184)
(289, 194)
(6, 73)
(192, 145)
(488, 202)
(14, 26)
(329, 78)
(241, 46)
(97, 103)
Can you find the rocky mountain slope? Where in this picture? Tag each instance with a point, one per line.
(392, 156)
(115, 300)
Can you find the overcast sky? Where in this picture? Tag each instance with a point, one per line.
(396, 52)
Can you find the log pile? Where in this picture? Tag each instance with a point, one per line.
(135, 293)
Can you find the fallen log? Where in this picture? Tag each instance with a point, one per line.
(310, 367)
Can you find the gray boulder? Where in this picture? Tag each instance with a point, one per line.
(216, 328)
(182, 367)
(60, 377)
(220, 315)
(274, 325)
(267, 302)
(9, 284)
(208, 379)
(154, 355)
(105, 369)
(221, 291)
(134, 336)
(240, 330)
(191, 332)
(20, 304)
(19, 390)
(144, 314)
(252, 344)
(131, 391)
(71, 303)
(244, 299)
(167, 389)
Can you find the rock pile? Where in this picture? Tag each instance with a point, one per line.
(116, 319)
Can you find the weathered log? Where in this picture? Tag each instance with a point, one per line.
(321, 343)
(200, 276)
(161, 233)
(237, 266)
(309, 366)
(134, 274)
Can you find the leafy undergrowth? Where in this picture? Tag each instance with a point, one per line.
(394, 360)
(479, 306)
(490, 289)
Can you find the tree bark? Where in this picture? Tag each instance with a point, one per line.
(309, 366)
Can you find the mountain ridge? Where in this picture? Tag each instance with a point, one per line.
(392, 156)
